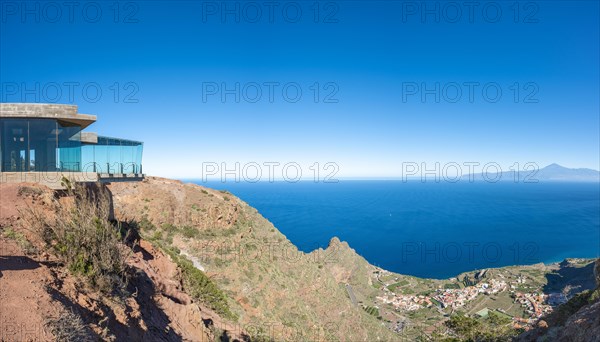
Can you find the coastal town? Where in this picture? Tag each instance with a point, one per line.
(517, 295)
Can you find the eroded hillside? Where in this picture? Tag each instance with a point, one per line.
(274, 289)
(42, 299)
(209, 267)
(333, 293)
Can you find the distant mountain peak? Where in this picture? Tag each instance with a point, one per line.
(554, 166)
(552, 172)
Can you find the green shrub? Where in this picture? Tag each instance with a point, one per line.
(594, 296)
(258, 334)
(200, 287)
(82, 236)
(495, 327)
(168, 228)
(145, 224)
(157, 236)
(463, 326)
(21, 240)
(175, 250)
(189, 232)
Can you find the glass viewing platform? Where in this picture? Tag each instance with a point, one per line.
(48, 140)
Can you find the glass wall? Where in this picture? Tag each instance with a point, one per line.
(53, 145)
(39, 145)
(14, 137)
(69, 147)
(42, 144)
(111, 155)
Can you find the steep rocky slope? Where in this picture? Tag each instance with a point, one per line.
(266, 289)
(41, 300)
(274, 289)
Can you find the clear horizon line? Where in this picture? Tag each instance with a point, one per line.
(429, 179)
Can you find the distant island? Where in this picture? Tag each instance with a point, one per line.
(552, 172)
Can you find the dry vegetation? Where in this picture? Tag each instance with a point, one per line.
(69, 327)
(78, 275)
(80, 234)
(221, 262)
(275, 290)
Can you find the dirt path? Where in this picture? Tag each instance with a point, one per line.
(25, 305)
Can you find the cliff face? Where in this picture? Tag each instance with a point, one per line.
(576, 321)
(255, 285)
(42, 300)
(274, 289)
(582, 326)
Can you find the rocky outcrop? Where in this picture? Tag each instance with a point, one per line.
(576, 321)
(273, 290)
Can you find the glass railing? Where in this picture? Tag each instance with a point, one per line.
(112, 155)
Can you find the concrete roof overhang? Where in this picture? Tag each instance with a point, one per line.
(66, 113)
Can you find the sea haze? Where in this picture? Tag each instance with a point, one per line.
(434, 230)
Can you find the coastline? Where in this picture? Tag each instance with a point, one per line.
(398, 226)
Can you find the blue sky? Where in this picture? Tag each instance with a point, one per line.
(366, 58)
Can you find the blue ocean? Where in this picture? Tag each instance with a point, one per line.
(434, 230)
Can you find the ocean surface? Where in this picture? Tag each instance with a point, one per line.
(434, 230)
